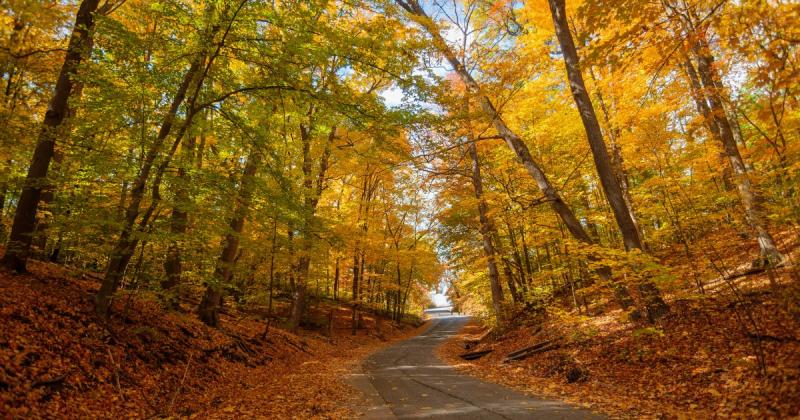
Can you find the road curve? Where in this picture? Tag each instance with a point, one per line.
(407, 380)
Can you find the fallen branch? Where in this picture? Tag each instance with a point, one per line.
(747, 272)
(472, 342)
(540, 347)
(768, 337)
(475, 354)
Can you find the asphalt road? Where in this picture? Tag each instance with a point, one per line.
(407, 380)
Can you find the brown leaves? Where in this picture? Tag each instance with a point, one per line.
(57, 360)
(698, 364)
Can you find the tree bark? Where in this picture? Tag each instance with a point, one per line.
(769, 254)
(583, 102)
(486, 227)
(79, 47)
(209, 307)
(179, 223)
(651, 296)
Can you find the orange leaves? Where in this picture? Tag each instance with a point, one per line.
(57, 360)
(696, 365)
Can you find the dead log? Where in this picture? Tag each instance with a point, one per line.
(475, 354)
(472, 342)
(540, 347)
(533, 347)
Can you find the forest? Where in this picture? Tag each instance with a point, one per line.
(221, 208)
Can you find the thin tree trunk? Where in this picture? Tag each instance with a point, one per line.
(272, 267)
(312, 190)
(336, 280)
(510, 280)
(3, 192)
(357, 254)
(512, 237)
(209, 307)
(526, 254)
(18, 248)
(397, 293)
(179, 222)
(769, 254)
(355, 298)
(126, 243)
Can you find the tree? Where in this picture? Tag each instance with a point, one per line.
(209, 307)
(191, 85)
(79, 47)
(622, 212)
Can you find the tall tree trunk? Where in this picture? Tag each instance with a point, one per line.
(355, 298)
(512, 237)
(3, 195)
(312, 190)
(486, 228)
(336, 274)
(18, 249)
(769, 254)
(617, 162)
(526, 255)
(511, 280)
(42, 223)
(358, 255)
(651, 296)
(397, 293)
(591, 125)
(209, 307)
(126, 243)
(193, 78)
(272, 267)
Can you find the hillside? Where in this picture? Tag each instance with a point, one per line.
(57, 359)
(731, 352)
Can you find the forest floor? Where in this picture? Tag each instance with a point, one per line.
(718, 354)
(57, 360)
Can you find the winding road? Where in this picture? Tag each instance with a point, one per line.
(407, 380)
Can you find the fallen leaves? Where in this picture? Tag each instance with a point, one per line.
(57, 360)
(699, 364)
